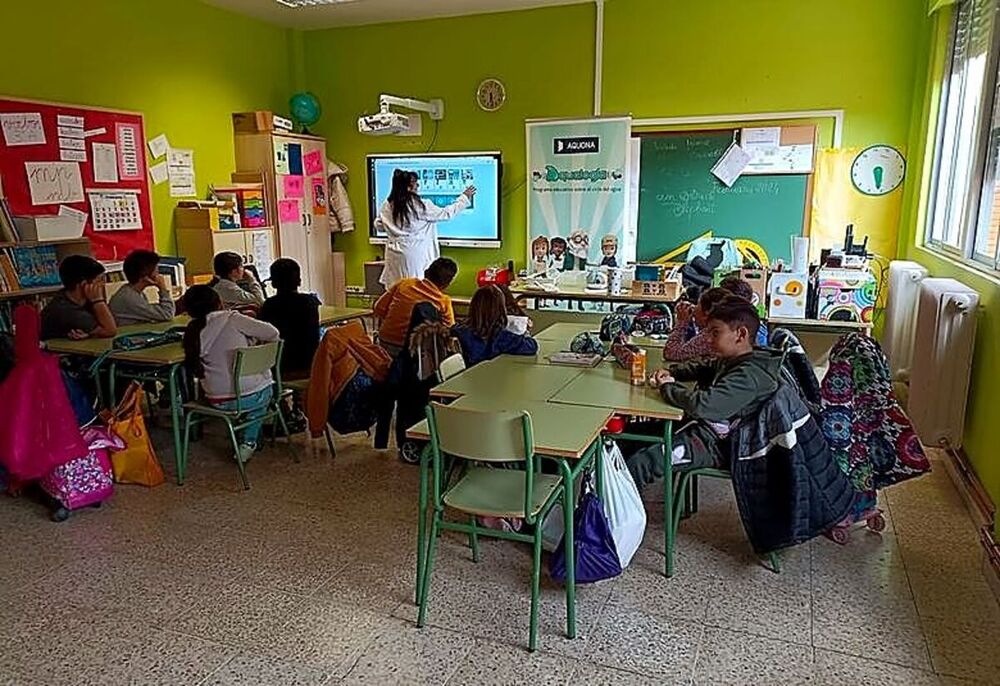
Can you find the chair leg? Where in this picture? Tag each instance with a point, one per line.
(428, 571)
(474, 539)
(239, 458)
(694, 494)
(329, 441)
(182, 456)
(536, 568)
(680, 501)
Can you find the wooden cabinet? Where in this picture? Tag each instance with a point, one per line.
(305, 236)
(199, 246)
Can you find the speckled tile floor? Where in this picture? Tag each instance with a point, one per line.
(307, 579)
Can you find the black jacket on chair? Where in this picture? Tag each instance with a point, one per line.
(788, 487)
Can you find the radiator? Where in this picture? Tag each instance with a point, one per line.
(901, 315)
(942, 360)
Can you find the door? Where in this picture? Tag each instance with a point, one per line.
(292, 215)
(317, 226)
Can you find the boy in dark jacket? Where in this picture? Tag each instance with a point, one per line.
(295, 315)
(731, 387)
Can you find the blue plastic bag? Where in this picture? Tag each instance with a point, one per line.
(595, 552)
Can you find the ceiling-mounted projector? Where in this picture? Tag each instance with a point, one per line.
(384, 124)
(387, 122)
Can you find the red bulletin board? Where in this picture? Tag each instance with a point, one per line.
(100, 126)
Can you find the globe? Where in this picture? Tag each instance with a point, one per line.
(305, 109)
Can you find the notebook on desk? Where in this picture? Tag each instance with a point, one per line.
(576, 359)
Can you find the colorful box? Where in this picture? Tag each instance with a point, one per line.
(846, 295)
(787, 295)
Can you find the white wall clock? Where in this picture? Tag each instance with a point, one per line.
(491, 95)
(878, 170)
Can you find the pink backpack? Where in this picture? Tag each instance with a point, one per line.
(85, 480)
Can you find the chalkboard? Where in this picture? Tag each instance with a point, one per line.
(680, 199)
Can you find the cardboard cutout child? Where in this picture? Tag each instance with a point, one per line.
(540, 255)
(559, 255)
(609, 251)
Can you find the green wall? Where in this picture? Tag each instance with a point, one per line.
(545, 58)
(185, 65)
(661, 59)
(983, 412)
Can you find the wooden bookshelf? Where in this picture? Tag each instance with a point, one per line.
(29, 292)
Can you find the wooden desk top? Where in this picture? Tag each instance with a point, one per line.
(607, 385)
(559, 430)
(506, 378)
(329, 314)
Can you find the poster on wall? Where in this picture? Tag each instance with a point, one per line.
(578, 181)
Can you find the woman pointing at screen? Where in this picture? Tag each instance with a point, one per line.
(411, 226)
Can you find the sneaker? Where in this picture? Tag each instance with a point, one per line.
(246, 452)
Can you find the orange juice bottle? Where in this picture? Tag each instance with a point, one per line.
(638, 376)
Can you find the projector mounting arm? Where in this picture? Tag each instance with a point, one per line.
(435, 108)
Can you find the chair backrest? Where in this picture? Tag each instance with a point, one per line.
(485, 436)
(257, 359)
(450, 366)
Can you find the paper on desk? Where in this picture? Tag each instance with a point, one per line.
(105, 163)
(731, 164)
(159, 146)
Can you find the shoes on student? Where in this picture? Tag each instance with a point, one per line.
(246, 452)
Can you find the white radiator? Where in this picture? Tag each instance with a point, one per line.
(942, 360)
(901, 315)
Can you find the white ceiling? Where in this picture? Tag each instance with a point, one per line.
(374, 11)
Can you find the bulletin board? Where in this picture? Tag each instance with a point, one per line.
(73, 159)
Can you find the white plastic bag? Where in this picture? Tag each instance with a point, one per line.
(622, 504)
(553, 528)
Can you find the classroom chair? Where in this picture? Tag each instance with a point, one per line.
(450, 366)
(253, 360)
(473, 436)
(301, 387)
(686, 501)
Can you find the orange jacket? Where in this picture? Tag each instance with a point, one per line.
(395, 307)
(343, 350)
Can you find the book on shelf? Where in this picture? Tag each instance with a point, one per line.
(8, 227)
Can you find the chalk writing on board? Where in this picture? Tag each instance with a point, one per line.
(53, 183)
(22, 128)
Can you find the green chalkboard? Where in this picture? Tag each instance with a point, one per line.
(680, 199)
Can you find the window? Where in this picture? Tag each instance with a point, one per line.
(964, 213)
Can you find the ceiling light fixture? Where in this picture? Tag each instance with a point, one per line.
(297, 4)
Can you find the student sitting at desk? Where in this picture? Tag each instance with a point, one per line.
(728, 389)
(688, 340)
(395, 306)
(235, 285)
(484, 335)
(211, 340)
(296, 316)
(80, 309)
(129, 305)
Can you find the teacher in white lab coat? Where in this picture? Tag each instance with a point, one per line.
(411, 226)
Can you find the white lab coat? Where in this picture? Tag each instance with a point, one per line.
(411, 248)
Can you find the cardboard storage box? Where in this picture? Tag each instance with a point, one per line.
(260, 121)
(196, 218)
(50, 227)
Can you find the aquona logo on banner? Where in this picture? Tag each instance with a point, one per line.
(576, 146)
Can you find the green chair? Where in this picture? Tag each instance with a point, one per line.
(249, 361)
(301, 387)
(686, 499)
(472, 437)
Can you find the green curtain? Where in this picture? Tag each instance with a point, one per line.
(934, 5)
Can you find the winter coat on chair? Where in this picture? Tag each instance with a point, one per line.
(341, 214)
(788, 487)
(343, 353)
(796, 368)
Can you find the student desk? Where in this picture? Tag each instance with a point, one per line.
(330, 315)
(568, 434)
(506, 379)
(823, 325)
(582, 294)
(166, 358)
(608, 386)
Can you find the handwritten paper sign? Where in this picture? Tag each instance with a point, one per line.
(105, 163)
(313, 162)
(54, 183)
(289, 212)
(295, 187)
(129, 162)
(22, 128)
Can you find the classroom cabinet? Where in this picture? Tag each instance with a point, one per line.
(199, 246)
(295, 200)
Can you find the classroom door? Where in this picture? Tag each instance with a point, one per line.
(293, 239)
